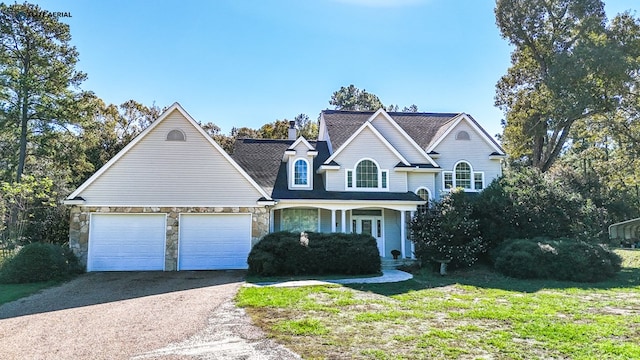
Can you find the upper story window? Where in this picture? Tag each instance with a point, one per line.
(424, 195)
(463, 135)
(464, 177)
(301, 173)
(367, 175)
(176, 135)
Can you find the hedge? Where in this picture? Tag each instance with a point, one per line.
(559, 259)
(39, 262)
(291, 253)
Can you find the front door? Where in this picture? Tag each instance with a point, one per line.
(371, 225)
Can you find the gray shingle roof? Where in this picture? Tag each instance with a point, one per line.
(261, 159)
(422, 127)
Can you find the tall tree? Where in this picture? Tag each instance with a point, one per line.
(37, 75)
(568, 64)
(306, 127)
(352, 98)
(109, 128)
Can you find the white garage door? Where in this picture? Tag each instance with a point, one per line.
(126, 242)
(214, 241)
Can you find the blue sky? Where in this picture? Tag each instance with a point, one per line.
(246, 63)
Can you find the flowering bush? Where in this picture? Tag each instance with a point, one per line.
(447, 232)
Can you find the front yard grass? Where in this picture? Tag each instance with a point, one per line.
(465, 315)
(11, 292)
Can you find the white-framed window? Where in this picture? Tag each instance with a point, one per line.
(424, 194)
(478, 180)
(299, 219)
(301, 172)
(367, 175)
(464, 177)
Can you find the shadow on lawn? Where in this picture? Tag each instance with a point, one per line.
(484, 277)
(105, 287)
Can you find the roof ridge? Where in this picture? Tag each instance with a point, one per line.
(391, 113)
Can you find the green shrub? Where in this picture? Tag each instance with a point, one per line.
(561, 259)
(447, 232)
(526, 203)
(39, 262)
(282, 253)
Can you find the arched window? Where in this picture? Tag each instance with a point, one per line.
(463, 175)
(176, 135)
(424, 195)
(301, 172)
(366, 174)
(462, 135)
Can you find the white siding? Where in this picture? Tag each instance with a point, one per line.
(398, 140)
(417, 180)
(160, 172)
(366, 145)
(475, 151)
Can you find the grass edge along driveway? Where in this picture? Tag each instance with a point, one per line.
(467, 315)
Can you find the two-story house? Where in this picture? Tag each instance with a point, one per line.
(174, 200)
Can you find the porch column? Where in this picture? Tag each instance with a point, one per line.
(271, 225)
(343, 213)
(413, 246)
(403, 233)
(333, 220)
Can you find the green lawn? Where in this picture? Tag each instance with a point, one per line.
(469, 315)
(11, 292)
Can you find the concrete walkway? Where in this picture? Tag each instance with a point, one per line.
(388, 276)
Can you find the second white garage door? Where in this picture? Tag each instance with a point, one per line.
(214, 241)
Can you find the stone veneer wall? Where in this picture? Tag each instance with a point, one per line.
(79, 226)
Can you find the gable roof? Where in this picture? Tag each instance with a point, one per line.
(301, 139)
(424, 128)
(445, 130)
(421, 127)
(175, 107)
(385, 142)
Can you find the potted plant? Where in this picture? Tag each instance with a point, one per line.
(395, 253)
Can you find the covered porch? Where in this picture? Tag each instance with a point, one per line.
(386, 221)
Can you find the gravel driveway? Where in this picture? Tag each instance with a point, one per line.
(135, 315)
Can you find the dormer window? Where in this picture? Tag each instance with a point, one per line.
(176, 135)
(301, 173)
(367, 175)
(463, 135)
